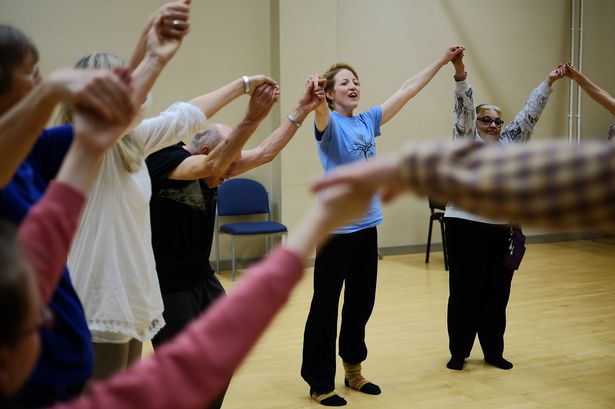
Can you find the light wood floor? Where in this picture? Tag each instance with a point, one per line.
(560, 337)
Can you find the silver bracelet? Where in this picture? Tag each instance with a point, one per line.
(293, 120)
(246, 84)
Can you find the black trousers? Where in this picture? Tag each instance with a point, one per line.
(350, 260)
(479, 286)
(182, 307)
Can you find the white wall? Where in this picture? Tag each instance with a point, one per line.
(511, 46)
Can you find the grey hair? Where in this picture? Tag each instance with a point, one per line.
(211, 137)
(484, 107)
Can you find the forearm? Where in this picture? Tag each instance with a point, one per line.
(311, 230)
(597, 94)
(144, 77)
(547, 184)
(227, 151)
(409, 89)
(21, 126)
(212, 102)
(271, 146)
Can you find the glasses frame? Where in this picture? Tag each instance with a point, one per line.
(487, 120)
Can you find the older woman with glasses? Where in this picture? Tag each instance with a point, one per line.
(479, 283)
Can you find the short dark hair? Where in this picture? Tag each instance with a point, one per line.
(14, 301)
(14, 47)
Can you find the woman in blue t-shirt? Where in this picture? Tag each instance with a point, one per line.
(351, 255)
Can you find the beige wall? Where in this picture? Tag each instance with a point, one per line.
(512, 45)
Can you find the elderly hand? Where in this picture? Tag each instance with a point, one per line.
(102, 91)
(383, 174)
(556, 74)
(256, 81)
(168, 29)
(452, 52)
(261, 101)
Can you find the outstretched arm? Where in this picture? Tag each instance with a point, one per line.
(192, 369)
(274, 143)
(595, 92)
(101, 91)
(162, 40)
(545, 184)
(212, 102)
(415, 84)
(217, 162)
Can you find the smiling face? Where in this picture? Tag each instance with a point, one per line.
(489, 124)
(346, 92)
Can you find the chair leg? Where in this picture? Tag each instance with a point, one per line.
(234, 271)
(442, 230)
(218, 252)
(428, 241)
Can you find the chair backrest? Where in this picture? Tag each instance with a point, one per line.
(242, 197)
(434, 205)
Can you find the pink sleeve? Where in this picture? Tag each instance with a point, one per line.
(46, 233)
(192, 370)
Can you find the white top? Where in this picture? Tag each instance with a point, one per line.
(519, 130)
(111, 261)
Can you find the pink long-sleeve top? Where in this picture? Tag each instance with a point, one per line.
(191, 370)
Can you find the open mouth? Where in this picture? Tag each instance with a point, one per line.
(353, 94)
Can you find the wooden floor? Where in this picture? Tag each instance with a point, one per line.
(560, 337)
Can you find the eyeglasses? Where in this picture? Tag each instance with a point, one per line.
(487, 120)
(45, 321)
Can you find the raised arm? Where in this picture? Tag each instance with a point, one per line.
(522, 126)
(101, 91)
(415, 84)
(212, 102)
(217, 162)
(192, 369)
(46, 233)
(162, 41)
(464, 111)
(595, 92)
(274, 143)
(321, 113)
(175, 15)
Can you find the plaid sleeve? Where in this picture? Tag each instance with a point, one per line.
(549, 184)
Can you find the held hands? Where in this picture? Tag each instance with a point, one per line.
(101, 91)
(94, 132)
(557, 73)
(261, 101)
(452, 52)
(314, 94)
(256, 81)
(571, 72)
(167, 30)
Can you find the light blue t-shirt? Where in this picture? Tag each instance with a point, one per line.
(346, 140)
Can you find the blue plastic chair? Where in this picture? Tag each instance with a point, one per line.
(243, 197)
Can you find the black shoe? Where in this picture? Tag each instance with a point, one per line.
(499, 362)
(368, 388)
(456, 363)
(328, 398)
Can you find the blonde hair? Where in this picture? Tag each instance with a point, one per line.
(128, 147)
